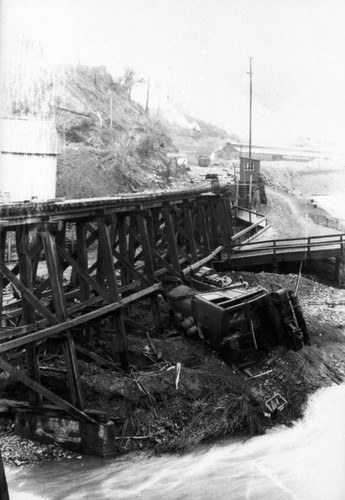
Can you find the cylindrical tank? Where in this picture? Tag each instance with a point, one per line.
(28, 157)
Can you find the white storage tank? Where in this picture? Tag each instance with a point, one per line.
(28, 157)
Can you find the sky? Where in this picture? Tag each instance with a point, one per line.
(196, 53)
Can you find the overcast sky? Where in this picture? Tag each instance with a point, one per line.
(196, 53)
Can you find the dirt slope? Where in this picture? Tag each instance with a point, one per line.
(109, 144)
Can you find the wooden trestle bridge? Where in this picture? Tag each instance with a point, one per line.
(80, 260)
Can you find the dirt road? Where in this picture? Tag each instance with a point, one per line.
(291, 217)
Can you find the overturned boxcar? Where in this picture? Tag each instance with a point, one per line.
(238, 323)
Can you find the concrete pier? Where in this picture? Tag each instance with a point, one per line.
(49, 427)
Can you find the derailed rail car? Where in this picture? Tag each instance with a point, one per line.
(239, 323)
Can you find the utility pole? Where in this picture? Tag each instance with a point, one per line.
(250, 73)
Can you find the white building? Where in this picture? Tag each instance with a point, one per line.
(28, 157)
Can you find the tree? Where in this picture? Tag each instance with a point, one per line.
(130, 80)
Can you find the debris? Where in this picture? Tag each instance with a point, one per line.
(177, 377)
(130, 437)
(151, 343)
(276, 403)
(260, 374)
(281, 350)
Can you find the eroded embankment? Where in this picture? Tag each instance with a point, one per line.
(179, 393)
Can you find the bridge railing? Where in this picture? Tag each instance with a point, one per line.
(248, 215)
(258, 224)
(291, 244)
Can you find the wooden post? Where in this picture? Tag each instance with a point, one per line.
(145, 242)
(172, 249)
(24, 262)
(228, 214)
(54, 271)
(274, 259)
(122, 231)
(204, 230)
(113, 230)
(100, 265)
(3, 483)
(107, 257)
(35, 254)
(339, 275)
(55, 276)
(308, 258)
(190, 231)
(81, 231)
(9, 249)
(223, 223)
(215, 239)
(132, 243)
(2, 259)
(150, 229)
(82, 259)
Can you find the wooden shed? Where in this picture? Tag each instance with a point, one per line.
(249, 170)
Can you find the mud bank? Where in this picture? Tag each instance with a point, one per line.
(180, 394)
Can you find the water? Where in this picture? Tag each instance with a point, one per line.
(305, 462)
(333, 204)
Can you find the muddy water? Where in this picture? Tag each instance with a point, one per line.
(333, 204)
(304, 462)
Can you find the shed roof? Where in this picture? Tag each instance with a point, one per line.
(28, 136)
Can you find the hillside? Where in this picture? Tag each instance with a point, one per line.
(109, 144)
